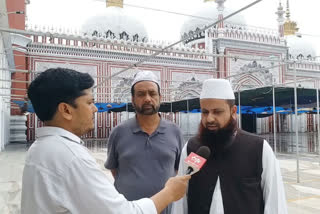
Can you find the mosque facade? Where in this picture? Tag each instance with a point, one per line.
(249, 57)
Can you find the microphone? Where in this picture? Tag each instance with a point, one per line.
(195, 161)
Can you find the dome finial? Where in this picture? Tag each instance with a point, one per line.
(288, 11)
(220, 5)
(115, 24)
(290, 27)
(114, 3)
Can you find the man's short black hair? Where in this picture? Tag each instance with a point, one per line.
(132, 89)
(54, 86)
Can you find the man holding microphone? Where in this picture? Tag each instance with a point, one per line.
(60, 176)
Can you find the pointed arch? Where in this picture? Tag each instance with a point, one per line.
(248, 78)
(187, 94)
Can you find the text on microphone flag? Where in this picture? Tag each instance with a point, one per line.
(195, 160)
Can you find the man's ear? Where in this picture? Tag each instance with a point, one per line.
(234, 112)
(65, 110)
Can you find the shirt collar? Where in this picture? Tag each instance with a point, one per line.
(136, 128)
(51, 131)
(162, 126)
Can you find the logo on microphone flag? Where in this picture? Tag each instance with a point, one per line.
(195, 161)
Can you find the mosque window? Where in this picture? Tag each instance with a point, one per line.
(136, 38)
(95, 33)
(109, 34)
(185, 35)
(198, 30)
(124, 36)
(300, 56)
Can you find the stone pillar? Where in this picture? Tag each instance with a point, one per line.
(220, 26)
(221, 60)
(18, 128)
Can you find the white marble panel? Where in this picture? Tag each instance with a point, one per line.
(91, 69)
(121, 83)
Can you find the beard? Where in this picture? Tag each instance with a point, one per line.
(147, 109)
(217, 139)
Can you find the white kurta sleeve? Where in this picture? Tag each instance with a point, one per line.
(87, 190)
(181, 206)
(271, 183)
(216, 206)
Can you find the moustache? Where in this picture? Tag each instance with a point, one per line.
(212, 124)
(147, 105)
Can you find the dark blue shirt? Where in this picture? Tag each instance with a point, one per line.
(143, 162)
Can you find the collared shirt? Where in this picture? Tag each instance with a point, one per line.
(60, 176)
(271, 185)
(143, 162)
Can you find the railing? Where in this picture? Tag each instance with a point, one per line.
(74, 37)
(308, 143)
(310, 64)
(96, 145)
(247, 33)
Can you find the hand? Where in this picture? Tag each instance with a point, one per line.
(174, 189)
(177, 186)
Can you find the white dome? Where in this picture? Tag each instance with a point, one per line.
(113, 23)
(299, 46)
(210, 11)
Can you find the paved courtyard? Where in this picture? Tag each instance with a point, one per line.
(302, 198)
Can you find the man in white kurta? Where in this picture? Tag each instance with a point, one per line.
(215, 103)
(271, 183)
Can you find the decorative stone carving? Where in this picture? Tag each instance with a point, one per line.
(188, 89)
(122, 92)
(91, 69)
(252, 75)
(121, 85)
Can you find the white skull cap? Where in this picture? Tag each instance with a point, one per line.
(217, 89)
(145, 76)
